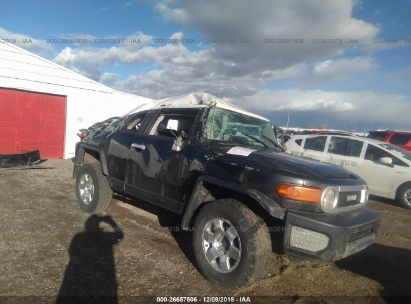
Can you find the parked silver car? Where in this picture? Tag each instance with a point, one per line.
(386, 168)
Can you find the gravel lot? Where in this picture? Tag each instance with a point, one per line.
(45, 251)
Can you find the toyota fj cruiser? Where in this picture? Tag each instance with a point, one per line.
(223, 170)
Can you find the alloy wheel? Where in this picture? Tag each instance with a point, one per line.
(86, 188)
(221, 245)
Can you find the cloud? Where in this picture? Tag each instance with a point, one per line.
(189, 71)
(266, 19)
(240, 55)
(40, 47)
(341, 68)
(109, 79)
(179, 70)
(367, 108)
(89, 60)
(171, 14)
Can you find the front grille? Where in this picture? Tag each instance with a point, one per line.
(349, 198)
(361, 232)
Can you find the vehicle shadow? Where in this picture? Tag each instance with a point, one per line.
(167, 220)
(385, 201)
(389, 266)
(90, 275)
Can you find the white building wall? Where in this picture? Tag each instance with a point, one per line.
(85, 108)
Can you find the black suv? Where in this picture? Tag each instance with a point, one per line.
(222, 169)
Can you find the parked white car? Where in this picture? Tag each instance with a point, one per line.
(384, 167)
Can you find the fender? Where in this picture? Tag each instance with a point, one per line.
(200, 195)
(79, 159)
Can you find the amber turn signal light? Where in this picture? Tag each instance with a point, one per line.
(299, 193)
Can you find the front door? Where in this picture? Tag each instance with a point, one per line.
(119, 149)
(157, 171)
(379, 177)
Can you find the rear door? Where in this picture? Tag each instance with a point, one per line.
(314, 147)
(344, 152)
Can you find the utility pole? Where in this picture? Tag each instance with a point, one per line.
(288, 119)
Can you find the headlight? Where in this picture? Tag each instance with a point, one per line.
(329, 199)
(299, 193)
(364, 196)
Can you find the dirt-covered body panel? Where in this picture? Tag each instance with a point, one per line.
(183, 158)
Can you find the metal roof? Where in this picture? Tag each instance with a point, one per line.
(28, 71)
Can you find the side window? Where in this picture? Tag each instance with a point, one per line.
(135, 123)
(374, 154)
(171, 125)
(377, 135)
(315, 143)
(345, 146)
(400, 139)
(299, 141)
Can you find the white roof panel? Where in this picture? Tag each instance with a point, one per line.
(19, 64)
(197, 99)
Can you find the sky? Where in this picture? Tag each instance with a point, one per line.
(342, 64)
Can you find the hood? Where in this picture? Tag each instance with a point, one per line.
(284, 163)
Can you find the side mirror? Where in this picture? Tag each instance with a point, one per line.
(385, 160)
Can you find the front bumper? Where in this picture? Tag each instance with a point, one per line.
(330, 237)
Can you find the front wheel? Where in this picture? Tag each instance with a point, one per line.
(404, 196)
(231, 244)
(92, 189)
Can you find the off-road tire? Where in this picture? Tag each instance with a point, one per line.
(102, 191)
(401, 193)
(256, 249)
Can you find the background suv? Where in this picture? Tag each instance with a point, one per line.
(385, 168)
(399, 138)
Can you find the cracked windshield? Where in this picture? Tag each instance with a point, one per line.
(233, 127)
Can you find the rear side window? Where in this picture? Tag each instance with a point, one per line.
(400, 139)
(136, 122)
(377, 135)
(286, 138)
(345, 146)
(299, 141)
(315, 143)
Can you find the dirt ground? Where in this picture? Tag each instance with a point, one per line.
(45, 251)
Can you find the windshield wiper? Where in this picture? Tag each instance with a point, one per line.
(261, 141)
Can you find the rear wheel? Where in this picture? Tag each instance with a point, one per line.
(404, 196)
(92, 189)
(231, 244)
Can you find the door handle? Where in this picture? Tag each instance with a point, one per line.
(138, 146)
(352, 164)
